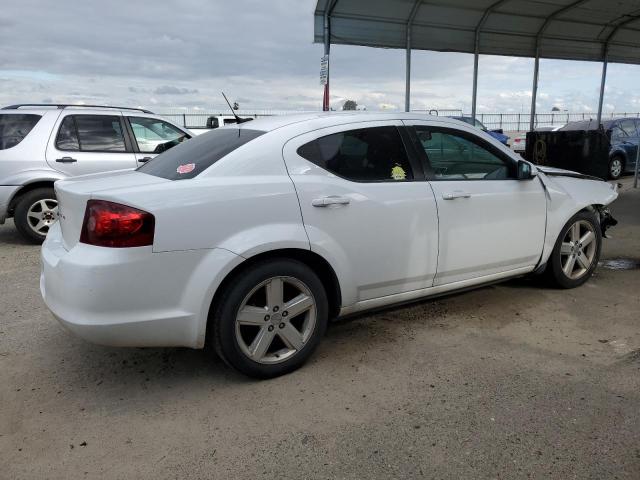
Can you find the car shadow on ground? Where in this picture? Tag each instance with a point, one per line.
(10, 236)
(179, 368)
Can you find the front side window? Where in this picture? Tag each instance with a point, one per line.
(618, 134)
(365, 155)
(154, 135)
(629, 127)
(454, 155)
(14, 128)
(91, 133)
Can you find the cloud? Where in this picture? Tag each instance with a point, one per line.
(171, 90)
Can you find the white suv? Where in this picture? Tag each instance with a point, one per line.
(40, 144)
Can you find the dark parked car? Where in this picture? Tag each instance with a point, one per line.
(625, 138)
(497, 134)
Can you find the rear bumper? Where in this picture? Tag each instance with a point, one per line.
(131, 297)
(6, 194)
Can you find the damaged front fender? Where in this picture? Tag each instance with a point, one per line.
(606, 219)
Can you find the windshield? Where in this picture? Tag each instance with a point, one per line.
(191, 158)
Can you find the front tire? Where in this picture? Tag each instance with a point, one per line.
(576, 252)
(270, 318)
(35, 212)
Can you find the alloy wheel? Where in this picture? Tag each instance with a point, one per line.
(275, 320)
(42, 214)
(616, 167)
(578, 249)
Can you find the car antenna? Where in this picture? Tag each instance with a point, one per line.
(238, 119)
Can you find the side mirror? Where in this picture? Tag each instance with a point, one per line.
(525, 172)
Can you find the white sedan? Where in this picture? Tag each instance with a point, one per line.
(252, 237)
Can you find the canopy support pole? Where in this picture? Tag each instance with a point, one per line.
(474, 96)
(534, 92)
(327, 47)
(407, 86)
(602, 84)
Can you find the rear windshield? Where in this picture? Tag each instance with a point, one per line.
(194, 156)
(14, 127)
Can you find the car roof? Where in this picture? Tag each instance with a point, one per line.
(327, 119)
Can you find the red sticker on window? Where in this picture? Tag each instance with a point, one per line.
(186, 168)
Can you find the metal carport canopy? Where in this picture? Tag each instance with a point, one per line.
(595, 30)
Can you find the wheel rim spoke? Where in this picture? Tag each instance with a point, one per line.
(587, 238)
(291, 336)
(566, 248)
(568, 266)
(261, 343)
(275, 293)
(250, 315)
(583, 261)
(298, 305)
(575, 232)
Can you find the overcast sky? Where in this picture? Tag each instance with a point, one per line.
(182, 53)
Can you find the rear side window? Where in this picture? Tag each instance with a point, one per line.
(191, 158)
(366, 155)
(91, 133)
(14, 128)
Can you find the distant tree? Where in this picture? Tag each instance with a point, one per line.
(349, 105)
(555, 109)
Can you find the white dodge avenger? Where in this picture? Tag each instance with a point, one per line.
(252, 237)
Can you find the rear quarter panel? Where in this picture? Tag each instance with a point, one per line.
(245, 203)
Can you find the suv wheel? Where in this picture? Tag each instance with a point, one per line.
(616, 166)
(35, 212)
(271, 318)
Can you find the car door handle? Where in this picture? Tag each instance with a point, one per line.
(456, 194)
(66, 160)
(330, 200)
(144, 159)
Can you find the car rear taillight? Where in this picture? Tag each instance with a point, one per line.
(517, 140)
(109, 224)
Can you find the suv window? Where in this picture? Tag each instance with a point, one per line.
(629, 127)
(15, 127)
(191, 158)
(617, 134)
(154, 135)
(374, 154)
(455, 155)
(91, 133)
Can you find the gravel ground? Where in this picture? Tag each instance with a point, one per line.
(509, 381)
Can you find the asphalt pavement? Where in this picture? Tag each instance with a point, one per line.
(515, 380)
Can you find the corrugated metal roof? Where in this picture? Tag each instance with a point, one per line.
(561, 29)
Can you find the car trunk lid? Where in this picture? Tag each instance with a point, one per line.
(73, 194)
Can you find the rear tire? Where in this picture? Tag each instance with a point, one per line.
(270, 318)
(616, 167)
(35, 212)
(576, 252)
